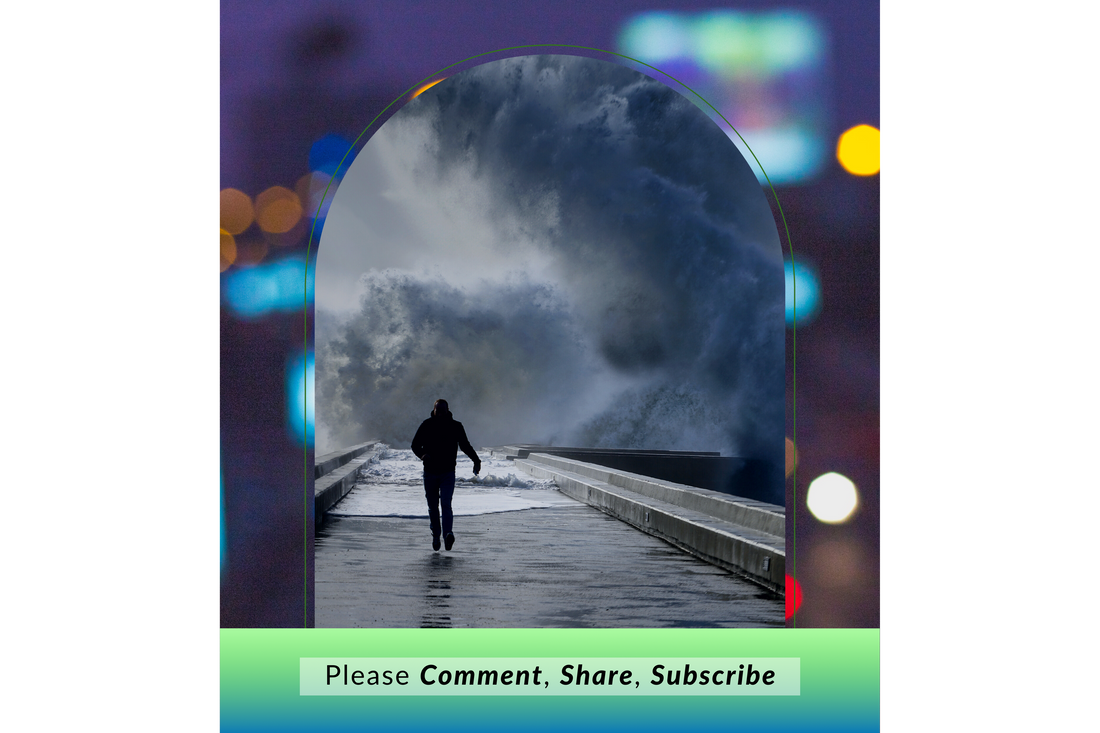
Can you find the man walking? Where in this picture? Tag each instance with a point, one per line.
(436, 443)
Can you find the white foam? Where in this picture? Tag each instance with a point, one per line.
(391, 485)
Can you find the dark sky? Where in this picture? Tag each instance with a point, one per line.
(567, 251)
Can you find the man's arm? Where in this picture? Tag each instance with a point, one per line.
(464, 444)
(418, 442)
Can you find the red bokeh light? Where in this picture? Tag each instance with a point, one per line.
(794, 596)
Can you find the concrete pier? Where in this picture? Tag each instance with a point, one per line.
(563, 567)
(562, 563)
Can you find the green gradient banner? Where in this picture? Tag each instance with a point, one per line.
(264, 683)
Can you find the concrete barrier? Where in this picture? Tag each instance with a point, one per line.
(337, 475)
(741, 535)
(746, 477)
(331, 461)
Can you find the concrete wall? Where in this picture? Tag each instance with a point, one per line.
(331, 461)
(740, 535)
(336, 476)
(747, 477)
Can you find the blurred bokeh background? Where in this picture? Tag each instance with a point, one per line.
(300, 83)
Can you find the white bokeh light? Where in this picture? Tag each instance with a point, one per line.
(832, 498)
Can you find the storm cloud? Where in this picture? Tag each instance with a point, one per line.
(566, 250)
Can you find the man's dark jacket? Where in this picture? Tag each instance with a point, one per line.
(437, 441)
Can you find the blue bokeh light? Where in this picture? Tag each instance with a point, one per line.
(279, 286)
(320, 185)
(299, 395)
(325, 154)
(802, 281)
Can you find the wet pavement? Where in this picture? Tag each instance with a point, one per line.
(566, 566)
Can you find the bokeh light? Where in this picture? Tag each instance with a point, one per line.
(288, 238)
(228, 250)
(727, 40)
(765, 72)
(791, 457)
(278, 210)
(299, 393)
(803, 293)
(236, 211)
(326, 154)
(792, 40)
(832, 498)
(793, 596)
(660, 35)
(858, 150)
(279, 286)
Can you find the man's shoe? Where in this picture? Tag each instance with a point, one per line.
(435, 543)
(449, 540)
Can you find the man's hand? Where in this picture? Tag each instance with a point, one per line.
(477, 468)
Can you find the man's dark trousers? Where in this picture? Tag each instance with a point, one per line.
(439, 487)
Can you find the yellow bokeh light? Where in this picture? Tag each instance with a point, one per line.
(858, 150)
(426, 87)
(278, 210)
(229, 250)
(832, 498)
(236, 211)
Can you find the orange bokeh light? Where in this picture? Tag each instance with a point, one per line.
(791, 457)
(236, 211)
(278, 209)
(228, 250)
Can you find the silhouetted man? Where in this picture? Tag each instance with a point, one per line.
(436, 443)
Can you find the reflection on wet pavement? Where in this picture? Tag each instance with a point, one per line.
(563, 566)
